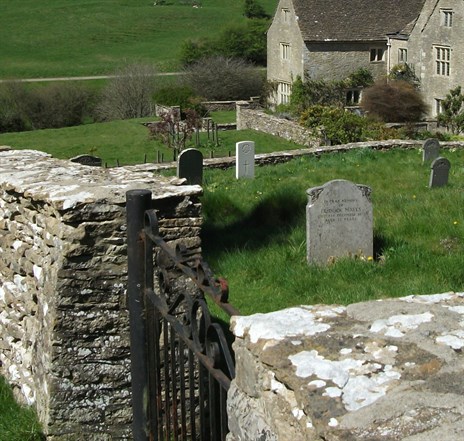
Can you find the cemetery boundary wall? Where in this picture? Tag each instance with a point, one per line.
(64, 336)
(387, 370)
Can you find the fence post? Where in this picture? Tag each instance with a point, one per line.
(137, 202)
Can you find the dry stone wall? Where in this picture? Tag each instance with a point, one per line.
(255, 119)
(388, 370)
(64, 338)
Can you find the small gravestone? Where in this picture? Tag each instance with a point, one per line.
(245, 159)
(190, 166)
(431, 150)
(439, 172)
(339, 222)
(93, 161)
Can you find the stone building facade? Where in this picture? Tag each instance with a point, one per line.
(331, 39)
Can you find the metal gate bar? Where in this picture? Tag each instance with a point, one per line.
(181, 363)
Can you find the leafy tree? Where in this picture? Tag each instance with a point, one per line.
(452, 114)
(394, 101)
(129, 94)
(246, 40)
(175, 128)
(224, 78)
(253, 9)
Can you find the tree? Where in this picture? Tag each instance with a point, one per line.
(452, 111)
(394, 101)
(129, 94)
(253, 9)
(175, 128)
(224, 78)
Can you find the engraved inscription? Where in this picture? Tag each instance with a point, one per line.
(341, 210)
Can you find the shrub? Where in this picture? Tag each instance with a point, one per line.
(246, 41)
(52, 106)
(221, 78)
(337, 125)
(404, 72)
(253, 9)
(129, 94)
(59, 105)
(394, 101)
(452, 114)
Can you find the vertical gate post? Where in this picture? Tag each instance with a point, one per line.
(137, 202)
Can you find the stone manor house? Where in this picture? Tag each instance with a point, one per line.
(329, 39)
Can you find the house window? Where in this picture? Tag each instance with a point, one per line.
(442, 60)
(377, 54)
(285, 15)
(438, 108)
(284, 51)
(402, 55)
(447, 17)
(353, 97)
(285, 89)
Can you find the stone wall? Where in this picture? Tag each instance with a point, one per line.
(255, 119)
(388, 370)
(64, 339)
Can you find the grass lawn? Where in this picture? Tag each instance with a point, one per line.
(54, 38)
(17, 423)
(255, 234)
(127, 142)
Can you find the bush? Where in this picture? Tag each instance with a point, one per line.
(129, 94)
(253, 9)
(53, 106)
(394, 101)
(221, 78)
(452, 114)
(59, 105)
(246, 41)
(339, 126)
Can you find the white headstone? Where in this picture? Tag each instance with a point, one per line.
(339, 222)
(245, 159)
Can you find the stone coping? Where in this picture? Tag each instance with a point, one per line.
(66, 185)
(390, 369)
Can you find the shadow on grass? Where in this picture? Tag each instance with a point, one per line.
(270, 220)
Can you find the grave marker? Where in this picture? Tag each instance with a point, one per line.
(339, 222)
(431, 150)
(245, 159)
(93, 161)
(439, 172)
(190, 166)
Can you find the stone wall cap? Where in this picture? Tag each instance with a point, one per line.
(66, 185)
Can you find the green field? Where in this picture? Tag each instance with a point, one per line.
(127, 142)
(255, 232)
(53, 38)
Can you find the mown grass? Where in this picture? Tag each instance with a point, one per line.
(127, 142)
(53, 38)
(255, 234)
(17, 423)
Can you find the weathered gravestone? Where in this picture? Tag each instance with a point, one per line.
(245, 159)
(431, 150)
(93, 161)
(439, 172)
(339, 222)
(190, 166)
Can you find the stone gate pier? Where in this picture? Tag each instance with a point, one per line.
(64, 337)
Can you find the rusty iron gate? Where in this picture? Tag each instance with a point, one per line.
(181, 363)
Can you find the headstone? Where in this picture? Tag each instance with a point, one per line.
(439, 172)
(245, 159)
(190, 166)
(431, 150)
(90, 160)
(339, 222)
